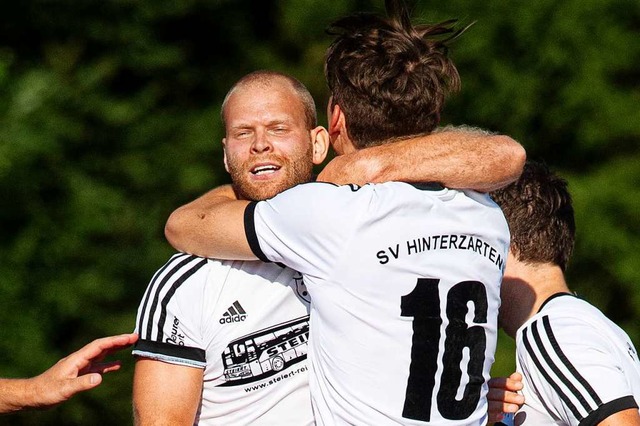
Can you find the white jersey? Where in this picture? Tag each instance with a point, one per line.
(405, 283)
(245, 324)
(578, 366)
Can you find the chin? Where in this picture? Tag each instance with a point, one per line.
(264, 190)
(258, 190)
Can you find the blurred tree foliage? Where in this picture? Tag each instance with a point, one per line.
(109, 120)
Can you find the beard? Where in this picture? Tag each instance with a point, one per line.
(293, 171)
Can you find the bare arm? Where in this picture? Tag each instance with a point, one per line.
(165, 394)
(215, 220)
(630, 417)
(457, 157)
(212, 225)
(504, 397)
(80, 371)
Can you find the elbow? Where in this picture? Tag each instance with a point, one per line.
(172, 230)
(517, 157)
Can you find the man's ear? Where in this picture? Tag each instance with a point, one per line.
(338, 134)
(336, 122)
(320, 142)
(224, 151)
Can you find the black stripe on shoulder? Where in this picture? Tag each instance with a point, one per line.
(569, 365)
(177, 351)
(250, 231)
(174, 287)
(169, 278)
(181, 259)
(545, 373)
(608, 409)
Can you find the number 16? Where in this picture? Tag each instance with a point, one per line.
(423, 304)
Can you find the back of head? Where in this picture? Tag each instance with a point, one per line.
(539, 212)
(390, 78)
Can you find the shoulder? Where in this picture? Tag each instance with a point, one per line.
(178, 269)
(313, 191)
(568, 310)
(565, 318)
(182, 281)
(571, 360)
(569, 331)
(310, 203)
(256, 272)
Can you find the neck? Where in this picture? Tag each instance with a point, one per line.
(343, 145)
(525, 287)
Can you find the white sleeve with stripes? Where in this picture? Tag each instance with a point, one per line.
(170, 312)
(571, 372)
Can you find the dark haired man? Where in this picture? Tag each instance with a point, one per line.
(404, 279)
(388, 77)
(578, 367)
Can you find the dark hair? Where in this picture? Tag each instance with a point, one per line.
(390, 78)
(540, 216)
(267, 77)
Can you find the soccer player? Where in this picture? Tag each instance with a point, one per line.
(404, 279)
(578, 367)
(226, 342)
(78, 372)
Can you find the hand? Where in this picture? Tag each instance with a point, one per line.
(503, 396)
(80, 371)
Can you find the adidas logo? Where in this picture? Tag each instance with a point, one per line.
(235, 313)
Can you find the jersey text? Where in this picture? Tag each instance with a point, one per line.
(442, 242)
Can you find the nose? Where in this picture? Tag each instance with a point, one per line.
(261, 143)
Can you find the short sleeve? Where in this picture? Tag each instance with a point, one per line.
(571, 371)
(306, 227)
(169, 314)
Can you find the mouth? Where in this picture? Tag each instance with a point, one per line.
(264, 169)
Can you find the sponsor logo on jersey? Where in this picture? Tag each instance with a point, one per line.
(176, 337)
(235, 313)
(266, 352)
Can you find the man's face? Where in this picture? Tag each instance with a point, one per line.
(267, 146)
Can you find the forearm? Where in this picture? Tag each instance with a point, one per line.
(210, 226)
(16, 395)
(455, 157)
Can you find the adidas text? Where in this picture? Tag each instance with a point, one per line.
(234, 318)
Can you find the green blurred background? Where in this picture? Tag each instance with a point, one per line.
(109, 120)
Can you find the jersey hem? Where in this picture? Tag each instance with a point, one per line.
(169, 359)
(608, 409)
(184, 354)
(250, 231)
